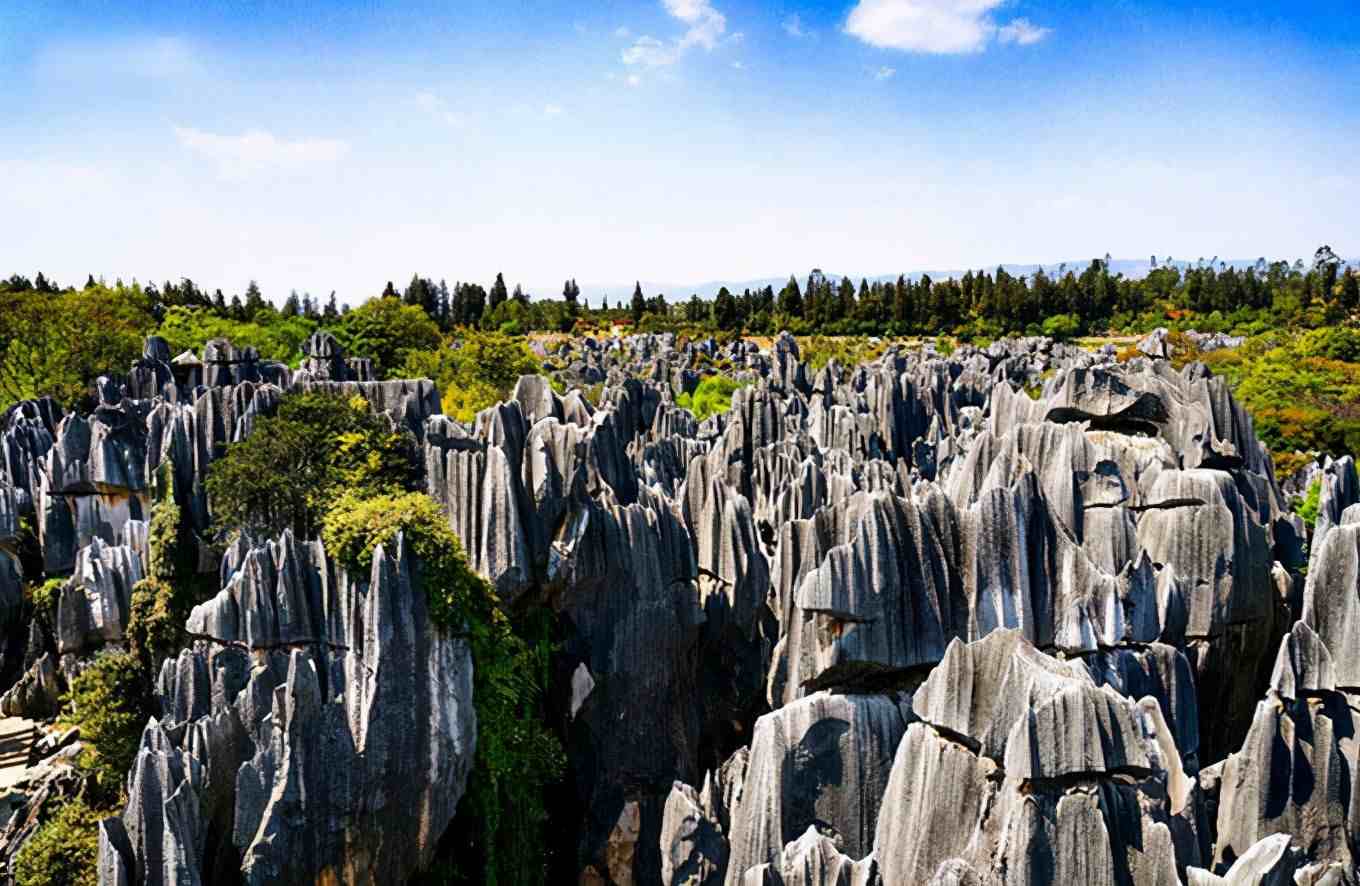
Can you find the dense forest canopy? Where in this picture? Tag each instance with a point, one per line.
(1303, 388)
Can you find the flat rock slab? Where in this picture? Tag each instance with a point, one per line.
(17, 736)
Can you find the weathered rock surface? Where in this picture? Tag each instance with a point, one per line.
(319, 729)
(1014, 615)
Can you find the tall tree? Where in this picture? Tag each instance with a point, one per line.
(498, 294)
(639, 304)
(255, 302)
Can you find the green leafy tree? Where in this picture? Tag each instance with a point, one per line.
(296, 462)
(58, 343)
(385, 331)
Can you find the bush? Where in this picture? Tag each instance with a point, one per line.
(1062, 326)
(1308, 508)
(711, 397)
(294, 464)
(386, 331)
(517, 756)
(480, 372)
(63, 851)
(45, 596)
(109, 701)
(155, 627)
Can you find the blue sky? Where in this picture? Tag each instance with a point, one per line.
(319, 147)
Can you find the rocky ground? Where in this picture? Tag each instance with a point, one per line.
(900, 623)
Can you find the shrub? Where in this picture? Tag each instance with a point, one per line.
(155, 627)
(294, 464)
(45, 596)
(1062, 326)
(480, 372)
(63, 851)
(711, 397)
(1308, 508)
(109, 702)
(517, 756)
(386, 331)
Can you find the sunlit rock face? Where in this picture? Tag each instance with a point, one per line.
(1013, 615)
(320, 729)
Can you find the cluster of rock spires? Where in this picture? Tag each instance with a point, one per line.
(1014, 615)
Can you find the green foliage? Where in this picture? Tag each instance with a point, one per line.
(711, 397)
(110, 703)
(386, 331)
(155, 627)
(58, 343)
(63, 851)
(273, 335)
(517, 756)
(1299, 400)
(819, 350)
(45, 596)
(944, 345)
(1332, 343)
(1062, 326)
(475, 370)
(1308, 508)
(295, 463)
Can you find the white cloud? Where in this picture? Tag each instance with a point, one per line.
(634, 80)
(551, 110)
(941, 27)
(739, 65)
(651, 52)
(706, 24)
(884, 73)
(436, 107)
(1022, 32)
(622, 32)
(706, 28)
(793, 26)
(259, 151)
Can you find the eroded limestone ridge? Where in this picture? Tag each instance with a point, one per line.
(1014, 615)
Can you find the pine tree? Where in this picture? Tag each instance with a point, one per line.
(238, 310)
(332, 312)
(498, 294)
(791, 299)
(254, 301)
(639, 305)
(389, 291)
(291, 305)
(726, 311)
(89, 282)
(219, 303)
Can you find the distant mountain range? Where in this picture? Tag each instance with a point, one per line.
(1130, 268)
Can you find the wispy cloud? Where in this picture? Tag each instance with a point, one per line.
(551, 110)
(793, 26)
(259, 151)
(706, 26)
(439, 109)
(634, 80)
(622, 32)
(739, 65)
(940, 27)
(884, 73)
(1023, 32)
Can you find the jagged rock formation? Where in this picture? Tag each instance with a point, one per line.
(1014, 615)
(319, 729)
